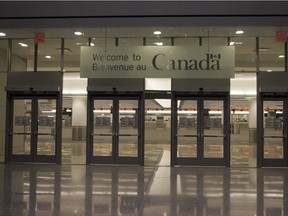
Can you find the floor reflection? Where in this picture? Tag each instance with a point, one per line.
(131, 190)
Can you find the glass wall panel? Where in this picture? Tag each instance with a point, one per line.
(157, 132)
(242, 147)
(22, 55)
(158, 41)
(245, 55)
(186, 41)
(130, 42)
(49, 55)
(271, 54)
(3, 55)
(72, 53)
(214, 41)
(103, 41)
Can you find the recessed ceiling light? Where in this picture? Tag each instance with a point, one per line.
(239, 32)
(78, 33)
(48, 56)
(159, 43)
(281, 56)
(23, 44)
(2, 34)
(157, 32)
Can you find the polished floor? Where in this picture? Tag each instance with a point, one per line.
(39, 189)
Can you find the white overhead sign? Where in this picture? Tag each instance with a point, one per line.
(157, 62)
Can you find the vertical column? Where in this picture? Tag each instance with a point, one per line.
(3, 83)
(252, 131)
(79, 127)
(5, 58)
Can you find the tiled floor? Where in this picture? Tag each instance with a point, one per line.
(29, 189)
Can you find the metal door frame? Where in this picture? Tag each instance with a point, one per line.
(33, 157)
(201, 161)
(115, 159)
(261, 161)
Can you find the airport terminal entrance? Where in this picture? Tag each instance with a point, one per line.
(273, 138)
(115, 129)
(200, 127)
(34, 104)
(272, 110)
(32, 129)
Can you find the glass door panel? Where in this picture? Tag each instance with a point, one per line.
(46, 128)
(103, 127)
(115, 130)
(187, 128)
(128, 129)
(32, 129)
(200, 130)
(273, 139)
(213, 147)
(213, 129)
(21, 132)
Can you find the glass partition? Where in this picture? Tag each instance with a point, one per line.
(271, 54)
(22, 55)
(130, 42)
(72, 53)
(159, 41)
(245, 55)
(186, 41)
(49, 55)
(214, 41)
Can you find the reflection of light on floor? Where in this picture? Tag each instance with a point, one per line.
(161, 181)
(165, 159)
